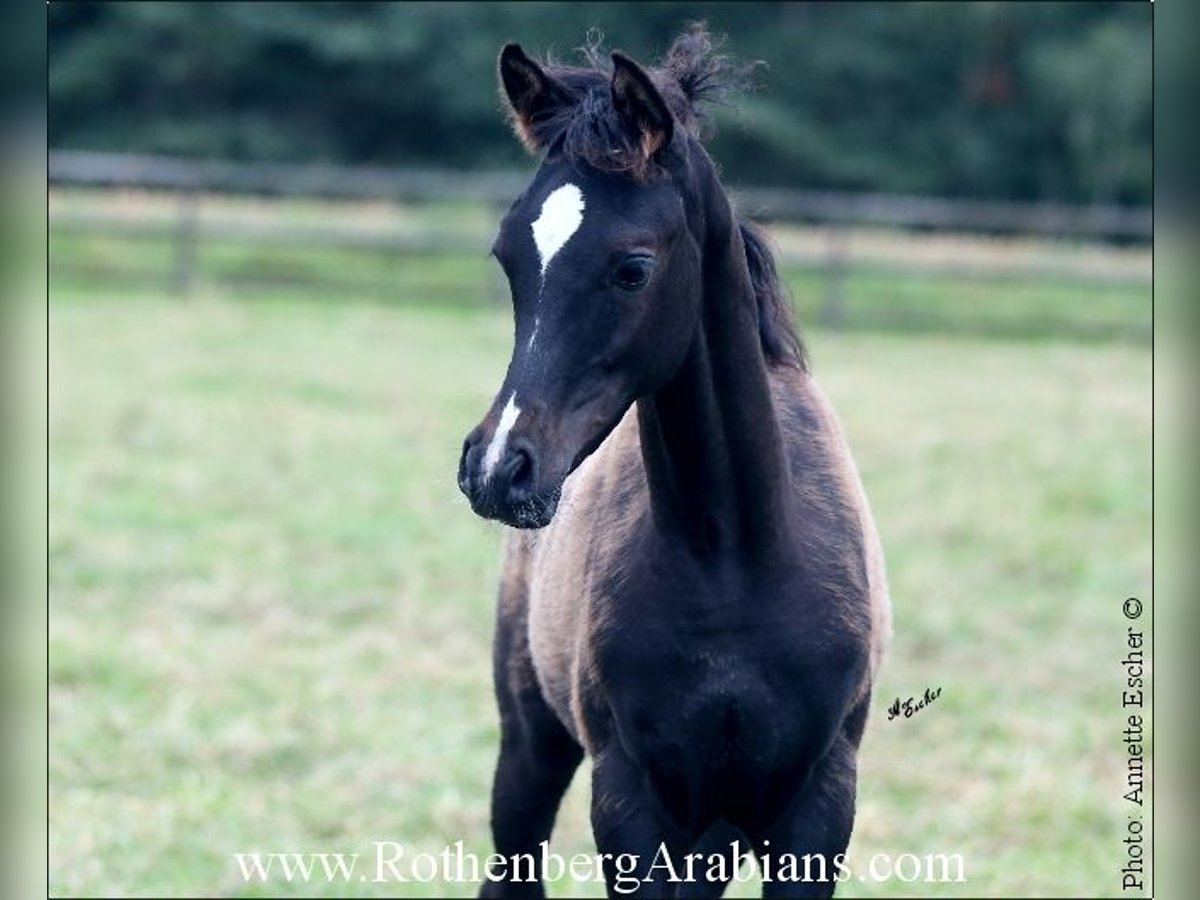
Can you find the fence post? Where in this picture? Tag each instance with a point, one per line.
(833, 307)
(187, 235)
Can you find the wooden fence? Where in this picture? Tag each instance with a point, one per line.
(836, 215)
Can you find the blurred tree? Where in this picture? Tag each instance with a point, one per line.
(1004, 100)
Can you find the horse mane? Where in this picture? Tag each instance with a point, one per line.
(781, 343)
(691, 77)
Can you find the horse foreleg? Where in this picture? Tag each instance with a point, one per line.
(538, 756)
(641, 849)
(818, 824)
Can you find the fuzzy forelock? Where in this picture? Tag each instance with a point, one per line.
(691, 77)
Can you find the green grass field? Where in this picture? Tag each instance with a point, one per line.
(271, 609)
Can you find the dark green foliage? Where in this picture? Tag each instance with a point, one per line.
(1003, 100)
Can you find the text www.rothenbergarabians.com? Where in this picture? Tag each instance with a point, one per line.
(390, 862)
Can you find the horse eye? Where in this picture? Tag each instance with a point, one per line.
(633, 272)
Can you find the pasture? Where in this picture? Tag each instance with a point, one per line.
(270, 608)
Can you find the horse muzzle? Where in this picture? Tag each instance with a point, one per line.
(501, 482)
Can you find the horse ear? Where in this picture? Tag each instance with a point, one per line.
(640, 105)
(531, 95)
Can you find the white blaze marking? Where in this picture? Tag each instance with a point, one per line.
(508, 418)
(561, 216)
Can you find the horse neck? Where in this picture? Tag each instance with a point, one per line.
(710, 439)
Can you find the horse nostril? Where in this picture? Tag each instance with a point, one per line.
(464, 479)
(520, 473)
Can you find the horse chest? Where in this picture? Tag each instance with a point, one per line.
(713, 691)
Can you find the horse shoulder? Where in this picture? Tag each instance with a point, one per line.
(827, 487)
(572, 570)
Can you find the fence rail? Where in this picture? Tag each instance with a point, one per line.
(831, 245)
(498, 188)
